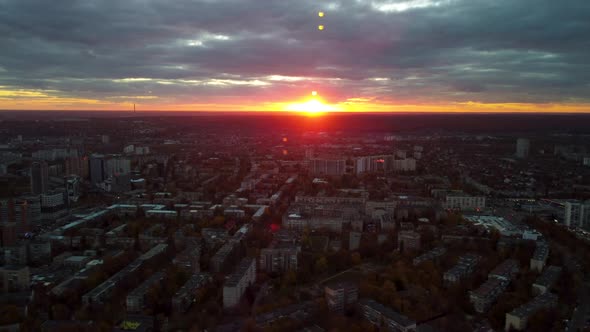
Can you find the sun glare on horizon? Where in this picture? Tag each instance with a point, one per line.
(312, 107)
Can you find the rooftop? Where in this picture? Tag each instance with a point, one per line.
(436, 252)
(541, 252)
(549, 276)
(388, 312)
(238, 274)
(195, 281)
(157, 249)
(489, 287)
(506, 269)
(147, 284)
(544, 300)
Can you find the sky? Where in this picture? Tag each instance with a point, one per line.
(269, 55)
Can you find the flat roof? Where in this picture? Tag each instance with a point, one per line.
(549, 276)
(147, 284)
(544, 300)
(239, 272)
(388, 312)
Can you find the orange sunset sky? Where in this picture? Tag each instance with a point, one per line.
(266, 55)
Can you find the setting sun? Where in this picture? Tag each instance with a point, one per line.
(312, 107)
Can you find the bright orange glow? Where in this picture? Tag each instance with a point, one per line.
(312, 107)
(37, 99)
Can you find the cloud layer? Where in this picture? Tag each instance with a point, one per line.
(216, 52)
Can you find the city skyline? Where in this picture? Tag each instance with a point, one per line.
(369, 56)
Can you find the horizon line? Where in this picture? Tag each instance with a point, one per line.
(303, 114)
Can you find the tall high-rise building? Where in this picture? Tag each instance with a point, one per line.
(370, 164)
(39, 177)
(77, 166)
(117, 166)
(327, 166)
(16, 216)
(97, 169)
(522, 148)
(72, 184)
(577, 214)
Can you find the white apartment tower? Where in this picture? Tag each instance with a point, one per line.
(522, 148)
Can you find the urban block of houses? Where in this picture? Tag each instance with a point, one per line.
(384, 317)
(517, 318)
(341, 295)
(546, 280)
(463, 268)
(187, 294)
(430, 255)
(235, 285)
(539, 256)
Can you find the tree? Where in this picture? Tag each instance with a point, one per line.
(544, 320)
(355, 258)
(289, 280)
(218, 220)
(321, 264)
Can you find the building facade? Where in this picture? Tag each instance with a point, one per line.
(39, 177)
(522, 148)
(341, 295)
(235, 285)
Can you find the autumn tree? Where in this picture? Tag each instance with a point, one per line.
(355, 258)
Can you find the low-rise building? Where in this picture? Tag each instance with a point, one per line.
(77, 262)
(341, 295)
(221, 261)
(280, 257)
(517, 318)
(465, 202)
(104, 291)
(235, 285)
(506, 270)
(187, 294)
(300, 311)
(540, 256)
(189, 259)
(546, 280)
(483, 297)
(430, 255)
(213, 236)
(463, 268)
(161, 214)
(384, 317)
(136, 299)
(498, 280)
(408, 240)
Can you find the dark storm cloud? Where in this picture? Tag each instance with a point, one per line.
(461, 50)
